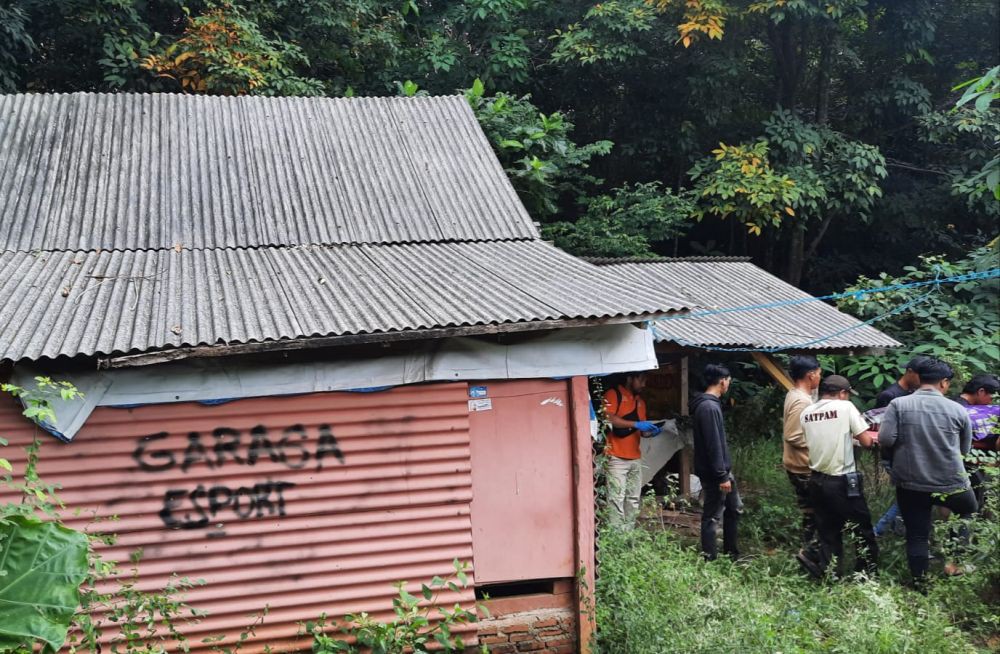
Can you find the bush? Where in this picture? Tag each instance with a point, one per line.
(655, 595)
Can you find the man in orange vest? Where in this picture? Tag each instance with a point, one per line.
(626, 412)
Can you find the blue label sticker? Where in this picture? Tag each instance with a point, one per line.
(477, 391)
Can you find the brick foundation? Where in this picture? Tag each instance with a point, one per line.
(541, 631)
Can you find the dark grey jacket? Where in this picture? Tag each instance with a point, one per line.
(711, 453)
(928, 434)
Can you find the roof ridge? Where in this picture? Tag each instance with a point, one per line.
(607, 261)
(279, 246)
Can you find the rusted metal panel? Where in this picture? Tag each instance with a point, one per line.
(522, 514)
(307, 504)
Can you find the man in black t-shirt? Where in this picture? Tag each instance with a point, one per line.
(905, 385)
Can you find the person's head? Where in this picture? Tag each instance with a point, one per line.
(934, 373)
(805, 370)
(835, 387)
(716, 378)
(635, 381)
(981, 389)
(911, 378)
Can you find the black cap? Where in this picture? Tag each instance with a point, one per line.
(835, 384)
(914, 363)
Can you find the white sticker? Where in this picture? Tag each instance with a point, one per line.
(552, 400)
(482, 404)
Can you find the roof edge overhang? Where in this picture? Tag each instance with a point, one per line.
(860, 350)
(236, 349)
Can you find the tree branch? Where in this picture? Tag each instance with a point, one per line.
(893, 163)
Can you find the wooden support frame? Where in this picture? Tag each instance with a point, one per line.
(586, 523)
(774, 369)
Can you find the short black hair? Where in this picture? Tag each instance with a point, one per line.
(917, 361)
(982, 380)
(801, 365)
(933, 370)
(713, 374)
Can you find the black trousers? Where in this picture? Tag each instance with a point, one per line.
(720, 507)
(915, 507)
(835, 510)
(803, 498)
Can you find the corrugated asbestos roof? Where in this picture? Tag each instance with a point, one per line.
(110, 302)
(133, 172)
(721, 284)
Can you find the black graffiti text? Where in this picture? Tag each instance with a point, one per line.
(200, 507)
(292, 447)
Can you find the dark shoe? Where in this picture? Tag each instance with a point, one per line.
(809, 565)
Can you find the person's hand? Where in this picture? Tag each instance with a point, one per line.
(645, 425)
(650, 434)
(726, 486)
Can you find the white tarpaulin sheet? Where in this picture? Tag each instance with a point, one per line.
(598, 350)
(658, 450)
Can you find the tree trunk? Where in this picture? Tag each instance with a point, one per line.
(768, 259)
(814, 244)
(788, 61)
(823, 74)
(796, 256)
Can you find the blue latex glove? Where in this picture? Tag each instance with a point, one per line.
(647, 426)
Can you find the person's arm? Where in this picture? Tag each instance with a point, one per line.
(797, 438)
(883, 399)
(620, 423)
(888, 431)
(965, 436)
(611, 407)
(709, 425)
(859, 428)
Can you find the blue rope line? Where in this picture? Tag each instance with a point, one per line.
(934, 283)
(858, 294)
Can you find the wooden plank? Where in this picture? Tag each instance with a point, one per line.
(772, 368)
(586, 526)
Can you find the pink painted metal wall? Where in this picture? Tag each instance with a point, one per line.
(307, 504)
(522, 478)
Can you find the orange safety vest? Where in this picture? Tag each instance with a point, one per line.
(623, 403)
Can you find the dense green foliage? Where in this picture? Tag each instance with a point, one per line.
(832, 122)
(959, 323)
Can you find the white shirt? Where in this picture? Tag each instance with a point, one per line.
(830, 427)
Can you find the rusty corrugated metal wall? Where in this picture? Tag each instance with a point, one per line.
(307, 504)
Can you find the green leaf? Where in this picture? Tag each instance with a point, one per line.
(5, 464)
(477, 88)
(42, 565)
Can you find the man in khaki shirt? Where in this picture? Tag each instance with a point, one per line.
(806, 374)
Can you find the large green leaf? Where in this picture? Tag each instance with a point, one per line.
(42, 565)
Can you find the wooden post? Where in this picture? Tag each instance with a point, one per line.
(771, 367)
(684, 483)
(583, 477)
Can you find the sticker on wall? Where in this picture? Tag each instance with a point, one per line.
(477, 391)
(481, 404)
(552, 400)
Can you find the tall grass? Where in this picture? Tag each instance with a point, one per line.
(656, 595)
